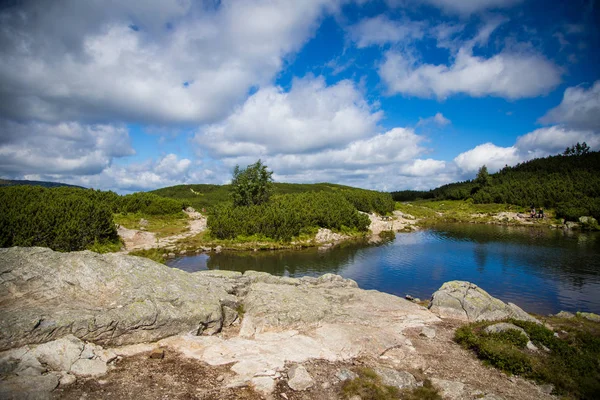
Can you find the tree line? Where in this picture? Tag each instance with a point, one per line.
(569, 183)
(70, 219)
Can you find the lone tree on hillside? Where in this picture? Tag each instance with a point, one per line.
(252, 185)
(483, 177)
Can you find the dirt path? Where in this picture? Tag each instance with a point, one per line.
(135, 239)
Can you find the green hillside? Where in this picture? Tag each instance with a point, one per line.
(207, 196)
(8, 182)
(568, 183)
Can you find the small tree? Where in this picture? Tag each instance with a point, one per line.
(251, 186)
(483, 177)
(577, 150)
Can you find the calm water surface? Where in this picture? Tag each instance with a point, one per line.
(541, 270)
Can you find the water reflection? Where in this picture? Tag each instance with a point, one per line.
(541, 270)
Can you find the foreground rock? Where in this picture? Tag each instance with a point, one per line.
(59, 312)
(107, 299)
(465, 301)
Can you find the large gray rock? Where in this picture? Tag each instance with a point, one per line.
(465, 301)
(108, 299)
(273, 303)
(29, 387)
(59, 355)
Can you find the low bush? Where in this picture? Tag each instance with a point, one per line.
(287, 216)
(570, 362)
(150, 204)
(63, 219)
(370, 201)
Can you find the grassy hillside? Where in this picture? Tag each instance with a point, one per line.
(569, 184)
(208, 196)
(8, 182)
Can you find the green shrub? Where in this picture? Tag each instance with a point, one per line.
(370, 201)
(287, 216)
(63, 218)
(150, 204)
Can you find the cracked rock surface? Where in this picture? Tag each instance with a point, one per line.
(108, 299)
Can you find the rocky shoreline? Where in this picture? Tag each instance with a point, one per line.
(71, 319)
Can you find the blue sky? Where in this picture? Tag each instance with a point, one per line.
(389, 94)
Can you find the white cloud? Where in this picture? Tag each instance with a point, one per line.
(579, 108)
(64, 148)
(553, 140)
(465, 7)
(488, 154)
(185, 62)
(167, 170)
(507, 74)
(380, 30)
(437, 119)
(421, 167)
(539, 143)
(311, 116)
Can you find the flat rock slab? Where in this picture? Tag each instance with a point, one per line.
(302, 303)
(111, 299)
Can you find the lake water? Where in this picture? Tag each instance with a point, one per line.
(541, 270)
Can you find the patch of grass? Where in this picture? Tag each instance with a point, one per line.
(153, 254)
(571, 364)
(368, 386)
(435, 211)
(387, 235)
(241, 310)
(425, 392)
(105, 247)
(161, 225)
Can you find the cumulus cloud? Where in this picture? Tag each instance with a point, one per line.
(508, 74)
(463, 7)
(553, 140)
(488, 154)
(380, 30)
(437, 119)
(421, 167)
(172, 62)
(579, 108)
(166, 170)
(63, 148)
(379, 162)
(311, 116)
(539, 143)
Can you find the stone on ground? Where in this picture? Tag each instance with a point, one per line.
(449, 390)
(299, 379)
(399, 379)
(468, 302)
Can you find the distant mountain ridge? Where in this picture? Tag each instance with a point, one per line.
(9, 182)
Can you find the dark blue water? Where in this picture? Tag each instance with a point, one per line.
(541, 270)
